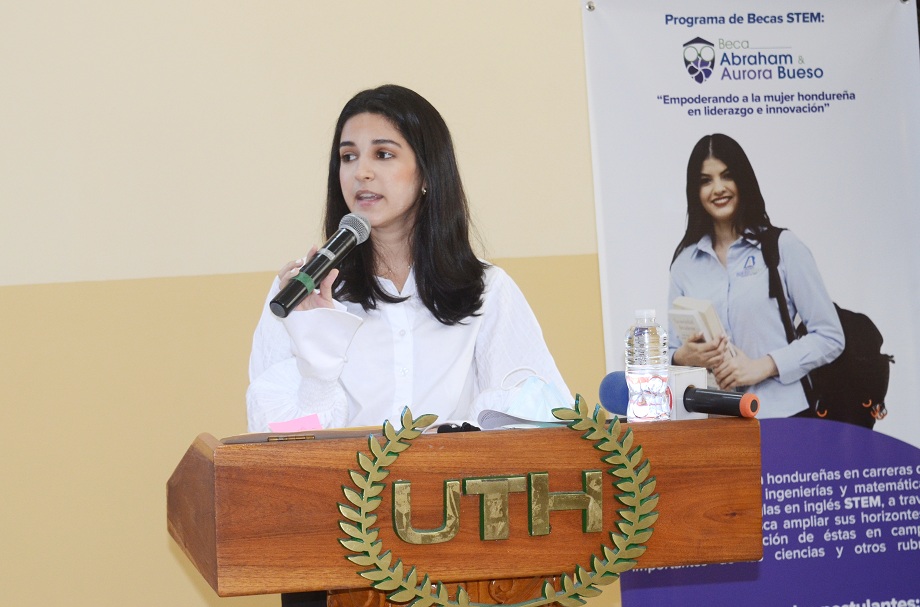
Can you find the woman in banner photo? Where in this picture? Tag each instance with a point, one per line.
(719, 259)
(411, 317)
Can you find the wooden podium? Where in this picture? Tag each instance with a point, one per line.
(263, 518)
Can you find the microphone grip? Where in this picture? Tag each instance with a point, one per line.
(312, 273)
(717, 402)
(292, 294)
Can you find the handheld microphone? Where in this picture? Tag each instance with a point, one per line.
(353, 230)
(718, 402)
(614, 396)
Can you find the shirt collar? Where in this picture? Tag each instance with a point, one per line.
(704, 244)
(409, 289)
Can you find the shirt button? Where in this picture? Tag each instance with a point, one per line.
(404, 371)
(402, 333)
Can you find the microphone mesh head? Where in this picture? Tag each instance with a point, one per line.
(359, 226)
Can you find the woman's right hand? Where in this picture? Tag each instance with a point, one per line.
(695, 352)
(320, 297)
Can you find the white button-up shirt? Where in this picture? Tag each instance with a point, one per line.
(357, 368)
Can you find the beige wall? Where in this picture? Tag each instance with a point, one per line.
(158, 161)
(191, 138)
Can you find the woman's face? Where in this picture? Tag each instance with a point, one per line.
(378, 173)
(718, 191)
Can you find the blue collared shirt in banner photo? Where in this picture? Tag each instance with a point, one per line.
(739, 292)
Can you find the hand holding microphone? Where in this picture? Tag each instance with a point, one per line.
(353, 230)
(321, 296)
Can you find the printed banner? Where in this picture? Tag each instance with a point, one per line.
(822, 97)
(823, 102)
(841, 519)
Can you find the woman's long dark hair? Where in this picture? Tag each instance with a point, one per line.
(449, 276)
(750, 218)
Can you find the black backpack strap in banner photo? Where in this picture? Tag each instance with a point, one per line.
(851, 388)
(769, 248)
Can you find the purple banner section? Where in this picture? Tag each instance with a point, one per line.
(841, 519)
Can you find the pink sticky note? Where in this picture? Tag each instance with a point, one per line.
(309, 422)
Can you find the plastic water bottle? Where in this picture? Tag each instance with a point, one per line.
(647, 370)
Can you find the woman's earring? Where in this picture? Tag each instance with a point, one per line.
(424, 191)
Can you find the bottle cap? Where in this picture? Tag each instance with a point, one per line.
(645, 313)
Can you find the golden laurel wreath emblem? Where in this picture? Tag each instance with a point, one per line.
(636, 492)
